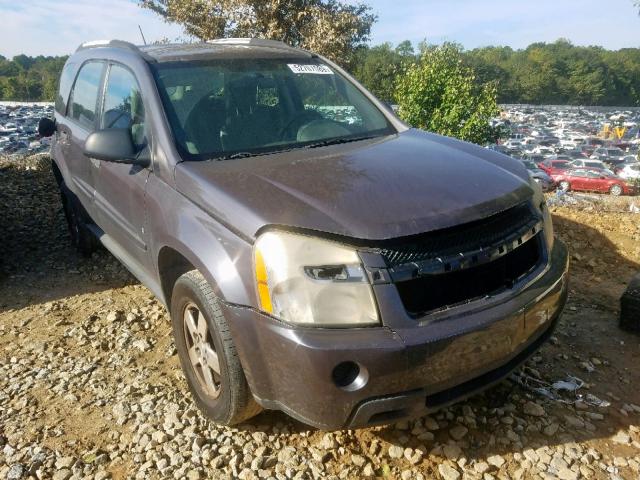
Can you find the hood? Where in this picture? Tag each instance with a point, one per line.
(390, 187)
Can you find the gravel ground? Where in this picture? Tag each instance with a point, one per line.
(90, 385)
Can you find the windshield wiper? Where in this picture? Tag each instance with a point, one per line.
(338, 141)
(323, 143)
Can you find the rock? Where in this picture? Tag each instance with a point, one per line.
(143, 345)
(358, 460)
(368, 471)
(533, 409)
(481, 467)
(447, 472)
(396, 451)
(16, 472)
(458, 432)
(430, 424)
(63, 474)
(551, 429)
(496, 460)
(566, 474)
(621, 437)
(328, 442)
(159, 437)
(413, 456)
(64, 462)
(194, 475)
(114, 316)
(452, 452)
(573, 421)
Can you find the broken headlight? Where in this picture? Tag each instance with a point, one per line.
(309, 281)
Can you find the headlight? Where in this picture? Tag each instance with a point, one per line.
(309, 281)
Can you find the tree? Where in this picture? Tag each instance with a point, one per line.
(439, 93)
(377, 67)
(329, 27)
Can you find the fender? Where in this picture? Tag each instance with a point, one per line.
(222, 257)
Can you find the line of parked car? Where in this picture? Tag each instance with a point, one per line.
(19, 128)
(562, 148)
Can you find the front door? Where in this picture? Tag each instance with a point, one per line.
(119, 188)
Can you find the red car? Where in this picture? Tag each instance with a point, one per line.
(592, 181)
(553, 166)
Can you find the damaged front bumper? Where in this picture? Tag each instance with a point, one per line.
(404, 369)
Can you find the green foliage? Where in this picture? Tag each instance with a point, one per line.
(440, 94)
(30, 78)
(330, 27)
(379, 66)
(561, 73)
(542, 73)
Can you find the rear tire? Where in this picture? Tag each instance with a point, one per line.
(81, 237)
(615, 190)
(564, 186)
(204, 342)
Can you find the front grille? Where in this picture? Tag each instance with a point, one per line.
(462, 238)
(432, 292)
(461, 264)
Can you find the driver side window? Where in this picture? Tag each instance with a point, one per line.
(123, 107)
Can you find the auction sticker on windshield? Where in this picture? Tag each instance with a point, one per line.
(317, 69)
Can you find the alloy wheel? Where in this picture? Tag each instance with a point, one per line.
(202, 353)
(616, 190)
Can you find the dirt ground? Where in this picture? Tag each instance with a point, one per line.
(88, 370)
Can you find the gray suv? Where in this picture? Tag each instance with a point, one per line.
(316, 254)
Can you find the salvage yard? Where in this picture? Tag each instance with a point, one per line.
(90, 385)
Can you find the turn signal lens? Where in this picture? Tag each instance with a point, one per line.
(263, 285)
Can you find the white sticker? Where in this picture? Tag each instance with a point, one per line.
(315, 69)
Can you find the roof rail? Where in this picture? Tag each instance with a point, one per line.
(259, 42)
(108, 43)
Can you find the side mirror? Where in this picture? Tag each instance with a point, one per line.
(46, 127)
(115, 145)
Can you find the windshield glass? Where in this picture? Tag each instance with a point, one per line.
(226, 108)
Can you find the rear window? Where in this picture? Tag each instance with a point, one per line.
(66, 80)
(84, 96)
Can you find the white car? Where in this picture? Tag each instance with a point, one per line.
(630, 171)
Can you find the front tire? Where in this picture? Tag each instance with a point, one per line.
(615, 190)
(207, 354)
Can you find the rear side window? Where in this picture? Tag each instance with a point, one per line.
(66, 80)
(123, 106)
(84, 96)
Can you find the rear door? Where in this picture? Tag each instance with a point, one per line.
(120, 188)
(77, 125)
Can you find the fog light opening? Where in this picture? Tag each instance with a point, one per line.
(350, 376)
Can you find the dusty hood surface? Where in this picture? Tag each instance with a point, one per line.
(399, 185)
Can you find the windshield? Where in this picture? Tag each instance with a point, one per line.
(228, 108)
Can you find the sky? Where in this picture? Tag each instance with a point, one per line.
(57, 27)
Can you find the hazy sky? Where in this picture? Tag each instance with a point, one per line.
(54, 27)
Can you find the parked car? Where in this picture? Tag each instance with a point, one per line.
(591, 165)
(610, 155)
(592, 181)
(630, 172)
(545, 181)
(553, 167)
(349, 273)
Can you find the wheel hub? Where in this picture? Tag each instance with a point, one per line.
(201, 350)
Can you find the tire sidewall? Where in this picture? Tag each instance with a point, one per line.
(615, 188)
(186, 291)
